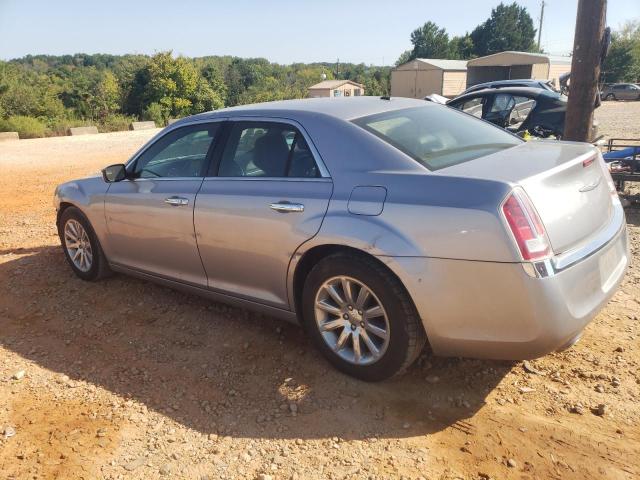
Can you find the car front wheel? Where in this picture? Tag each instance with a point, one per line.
(611, 96)
(361, 318)
(81, 247)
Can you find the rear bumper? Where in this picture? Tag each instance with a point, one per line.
(500, 311)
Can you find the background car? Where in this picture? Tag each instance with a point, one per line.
(620, 91)
(538, 111)
(530, 83)
(378, 224)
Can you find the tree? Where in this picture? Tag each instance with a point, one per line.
(404, 57)
(461, 48)
(106, 98)
(429, 41)
(623, 60)
(509, 27)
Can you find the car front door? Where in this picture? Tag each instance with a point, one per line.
(149, 215)
(267, 194)
(499, 112)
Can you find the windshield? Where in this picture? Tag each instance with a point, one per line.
(437, 136)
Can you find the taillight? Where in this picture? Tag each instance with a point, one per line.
(526, 226)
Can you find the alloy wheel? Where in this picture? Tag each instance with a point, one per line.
(78, 245)
(352, 320)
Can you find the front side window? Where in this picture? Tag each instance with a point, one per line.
(180, 153)
(267, 149)
(437, 136)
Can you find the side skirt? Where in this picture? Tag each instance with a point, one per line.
(286, 315)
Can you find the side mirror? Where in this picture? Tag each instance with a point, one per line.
(114, 173)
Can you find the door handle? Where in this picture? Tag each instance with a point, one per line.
(176, 201)
(287, 207)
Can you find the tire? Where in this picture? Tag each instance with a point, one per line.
(405, 336)
(610, 96)
(95, 265)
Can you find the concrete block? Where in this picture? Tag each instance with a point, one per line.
(90, 130)
(9, 136)
(142, 125)
(172, 120)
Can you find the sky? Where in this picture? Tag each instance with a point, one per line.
(284, 31)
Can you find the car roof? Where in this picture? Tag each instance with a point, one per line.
(523, 81)
(341, 108)
(525, 91)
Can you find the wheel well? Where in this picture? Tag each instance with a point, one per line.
(315, 255)
(61, 209)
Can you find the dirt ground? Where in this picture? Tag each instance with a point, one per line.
(125, 379)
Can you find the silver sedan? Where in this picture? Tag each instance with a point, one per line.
(380, 225)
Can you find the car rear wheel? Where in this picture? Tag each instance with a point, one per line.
(361, 318)
(81, 247)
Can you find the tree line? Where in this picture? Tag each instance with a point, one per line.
(509, 27)
(44, 95)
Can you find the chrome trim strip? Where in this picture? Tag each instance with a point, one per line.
(565, 260)
(551, 266)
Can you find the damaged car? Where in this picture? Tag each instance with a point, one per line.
(521, 110)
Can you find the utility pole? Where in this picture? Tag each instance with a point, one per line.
(338, 68)
(585, 69)
(540, 27)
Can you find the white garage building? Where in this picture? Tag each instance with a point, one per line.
(424, 76)
(514, 65)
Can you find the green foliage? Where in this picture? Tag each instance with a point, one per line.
(110, 91)
(116, 122)
(461, 48)
(27, 127)
(623, 60)
(429, 41)
(509, 27)
(61, 126)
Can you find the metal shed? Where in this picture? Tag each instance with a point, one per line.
(510, 65)
(424, 76)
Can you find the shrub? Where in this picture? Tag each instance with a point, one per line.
(60, 126)
(158, 113)
(116, 123)
(27, 127)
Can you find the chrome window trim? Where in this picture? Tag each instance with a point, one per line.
(271, 179)
(165, 131)
(324, 172)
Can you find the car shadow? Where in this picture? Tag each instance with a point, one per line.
(633, 216)
(215, 368)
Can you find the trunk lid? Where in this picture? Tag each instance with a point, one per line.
(566, 182)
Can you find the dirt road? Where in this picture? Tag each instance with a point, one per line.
(125, 379)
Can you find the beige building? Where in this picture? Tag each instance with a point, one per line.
(424, 76)
(336, 88)
(513, 65)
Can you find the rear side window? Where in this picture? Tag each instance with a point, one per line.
(267, 149)
(472, 107)
(437, 136)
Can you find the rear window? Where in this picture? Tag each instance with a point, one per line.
(437, 136)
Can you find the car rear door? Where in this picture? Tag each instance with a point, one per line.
(149, 215)
(267, 194)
